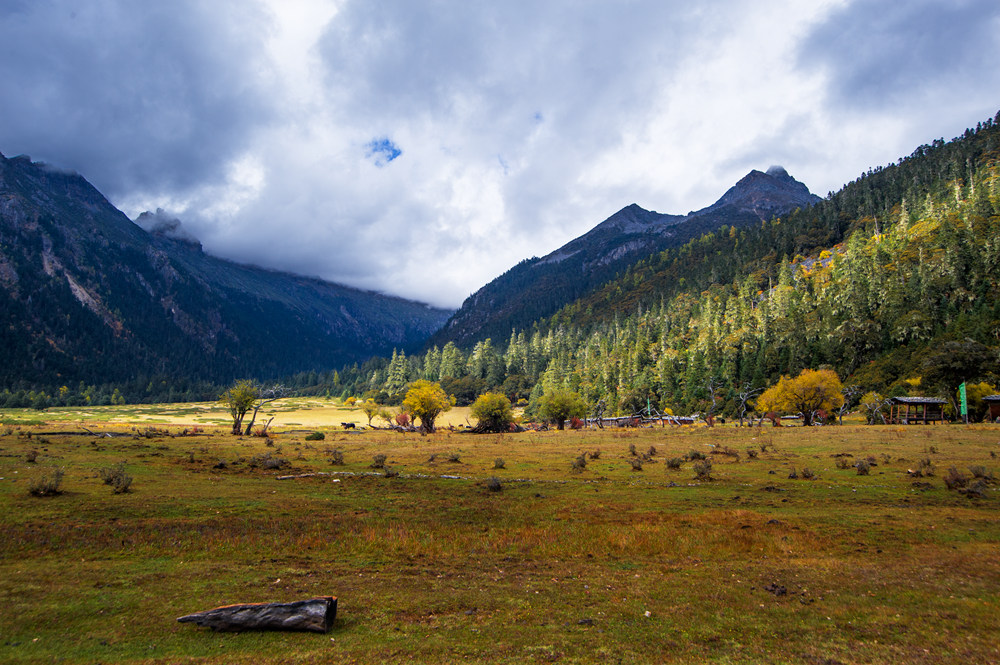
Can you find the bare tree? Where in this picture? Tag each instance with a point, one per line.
(849, 393)
(265, 396)
(713, 385)
(745, 394)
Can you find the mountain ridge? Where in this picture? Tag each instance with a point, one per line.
(538, 287)
(79, 281)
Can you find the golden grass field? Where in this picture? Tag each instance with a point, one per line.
(604, 564)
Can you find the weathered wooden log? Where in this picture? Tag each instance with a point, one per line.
(315, 614)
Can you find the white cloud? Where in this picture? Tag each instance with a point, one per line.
(520, 125)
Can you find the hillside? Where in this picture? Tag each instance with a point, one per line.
(899, 267)
(86, 295)
(538, 287)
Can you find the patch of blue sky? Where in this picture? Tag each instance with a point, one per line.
(382, 150)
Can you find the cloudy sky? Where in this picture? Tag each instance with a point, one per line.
(423, 147)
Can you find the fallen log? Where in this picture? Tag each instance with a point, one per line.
(316, 615)
(317, 474)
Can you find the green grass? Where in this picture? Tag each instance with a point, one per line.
(559, 566)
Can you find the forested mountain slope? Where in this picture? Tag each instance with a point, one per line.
(88, 296)
(871, 282)
(538, 287)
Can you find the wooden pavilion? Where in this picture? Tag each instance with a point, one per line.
(914, 410)
(993, 402)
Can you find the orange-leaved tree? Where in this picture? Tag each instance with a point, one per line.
(809, 392)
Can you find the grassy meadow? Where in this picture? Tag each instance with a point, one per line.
(598, 564)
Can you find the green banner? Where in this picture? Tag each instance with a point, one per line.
(965, 404)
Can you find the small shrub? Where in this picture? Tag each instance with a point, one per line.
(955, 479)
(632, 451)
(432, 458)
(267, 461)
(636, 464)
(378, 461)
(925, 467)
(842, 463)
(315, 436)
(793, 475)
(575, 423)
(498, 463)
(31, 457)
(751, 453)
(47, 485)
(493, 484)
(696, 455)
(337, 458)
(703, 469)
(651, 452)
(116, 477)
(455, 458)
(863, 467)
(808, 474)
(580, 463)
(675, 462)
(595, 455)
(389, 472)
(980, 471)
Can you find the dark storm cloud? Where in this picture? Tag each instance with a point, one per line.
(878, 52)
(139, 96)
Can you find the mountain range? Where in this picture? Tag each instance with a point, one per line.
(537, 288)
(87, 295)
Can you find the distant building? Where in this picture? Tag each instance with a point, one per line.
(993, 401)
(914, 410)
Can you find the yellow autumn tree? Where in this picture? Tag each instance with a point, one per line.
(426, 400)
(809, 392)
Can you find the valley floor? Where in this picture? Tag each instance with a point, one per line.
(599, 564)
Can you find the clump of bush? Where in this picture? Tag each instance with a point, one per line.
(315, 436)
(636, 464)
(727, 451)
(632, 451)
(651, 452)
(675, 462)
(980, 472)
(116, 476)
(751, 453)
(337, 457)
(31, 457)
(595, 455)
(863, 467)
(974, 487)
(843, 463)
(48, 484)
(267, 461)
(378, 461)
(696, 455)
(498, 463)
(580, 463)
(793, 475)
(808, 474)
(454, 458)
(389, 472)
(703, 469)
(493, 484)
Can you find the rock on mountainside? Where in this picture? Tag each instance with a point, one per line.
(88, 295)
(538, 287)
